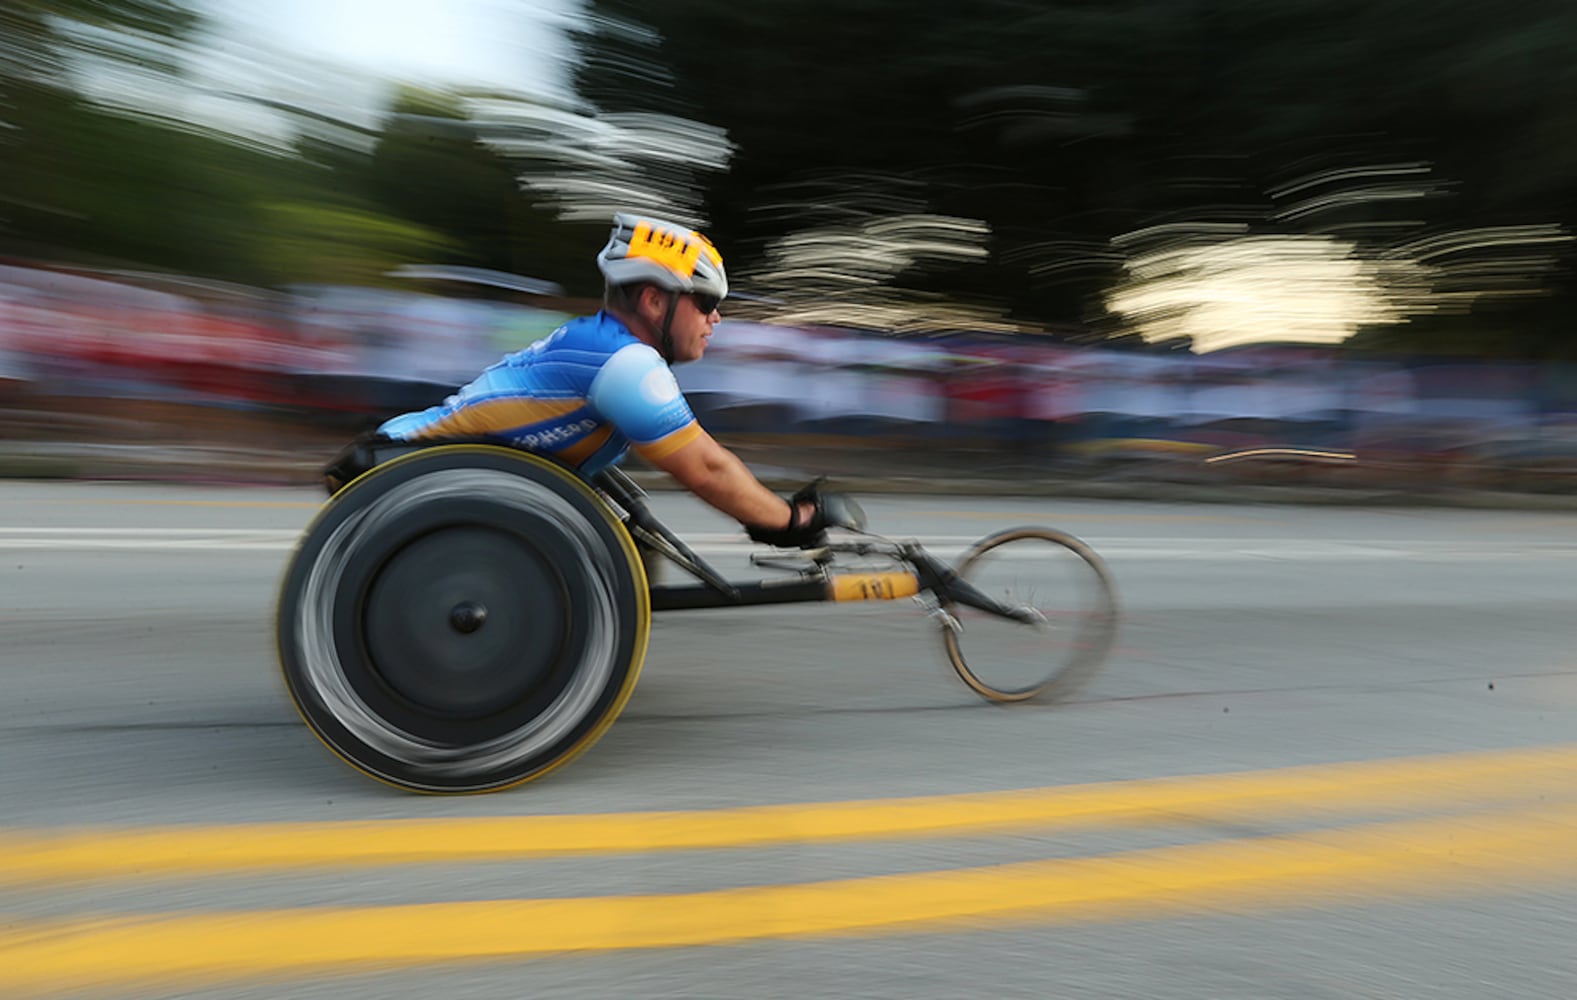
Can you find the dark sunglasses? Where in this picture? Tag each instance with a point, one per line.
(706, 303)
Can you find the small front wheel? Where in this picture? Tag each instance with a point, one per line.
(1069, 594)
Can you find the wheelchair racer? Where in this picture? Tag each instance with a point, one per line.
(601, 385)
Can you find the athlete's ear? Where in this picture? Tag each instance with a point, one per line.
(653, 303)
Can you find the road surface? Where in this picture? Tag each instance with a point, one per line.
(1332, 756)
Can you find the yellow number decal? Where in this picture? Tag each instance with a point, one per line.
(678, 252)
(874, 586)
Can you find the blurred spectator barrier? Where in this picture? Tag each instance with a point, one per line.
(343, 355)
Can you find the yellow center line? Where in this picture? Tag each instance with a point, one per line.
(1428, 857)
(1310, 791)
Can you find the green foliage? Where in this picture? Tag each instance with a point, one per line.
(90, 185)
(84, 184)
(36, 36)
(429, 166)
(1061, 125)
(337, 245)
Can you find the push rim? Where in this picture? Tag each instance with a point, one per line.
(476, 729)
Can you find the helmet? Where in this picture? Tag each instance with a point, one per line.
(666, 254)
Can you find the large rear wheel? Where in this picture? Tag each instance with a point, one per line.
(463, 619)
(1069, 595)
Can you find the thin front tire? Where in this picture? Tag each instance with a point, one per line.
(1071, 591)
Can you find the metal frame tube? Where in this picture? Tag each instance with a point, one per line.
(688, 597)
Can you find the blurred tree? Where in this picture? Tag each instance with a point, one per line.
(337, 245)
(1012, 113)
(39, 39)
(107, 189)
(88, 184)
(430, 167)
(430, 164)
(45, 47)
(103, 188)
(1063, 125)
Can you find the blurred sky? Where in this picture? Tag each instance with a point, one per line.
(341, 58)
(513, 44)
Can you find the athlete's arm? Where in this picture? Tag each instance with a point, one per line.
(717, 476)
(636, 391)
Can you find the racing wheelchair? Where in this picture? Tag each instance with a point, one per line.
(465, 616)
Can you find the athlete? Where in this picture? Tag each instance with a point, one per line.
(601, 385)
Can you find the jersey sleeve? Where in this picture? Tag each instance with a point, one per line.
(637, 393)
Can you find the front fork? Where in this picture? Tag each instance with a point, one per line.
(941, 581)
(933, 584)
(944, 619)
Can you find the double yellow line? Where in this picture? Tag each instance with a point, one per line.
(1532, 833)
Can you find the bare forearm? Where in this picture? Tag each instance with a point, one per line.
(718, 477)
(727, 484)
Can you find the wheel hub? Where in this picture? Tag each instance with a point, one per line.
(465, 620)
(467, 616)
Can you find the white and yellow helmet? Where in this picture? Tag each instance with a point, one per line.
(666, 254)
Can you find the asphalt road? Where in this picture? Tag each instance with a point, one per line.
(1365, 719)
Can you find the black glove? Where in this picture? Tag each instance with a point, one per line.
(808, 533)
(352, 460)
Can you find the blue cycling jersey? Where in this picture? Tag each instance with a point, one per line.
(584, 394)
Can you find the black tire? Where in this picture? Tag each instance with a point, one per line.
(463, 619)
(1009, 661)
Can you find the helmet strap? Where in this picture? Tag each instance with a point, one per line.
(666, 347)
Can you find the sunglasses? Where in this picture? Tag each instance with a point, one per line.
(706, 303)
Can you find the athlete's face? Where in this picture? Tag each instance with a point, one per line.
(691, 328)
(693, 322)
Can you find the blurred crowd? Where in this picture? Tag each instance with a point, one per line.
(343, 355)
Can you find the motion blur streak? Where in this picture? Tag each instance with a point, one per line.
(589, 166)
(1333, 456)
(1308, 792)
(1311, 289)
(843, 273)
(1428, 858)
(1227, 284)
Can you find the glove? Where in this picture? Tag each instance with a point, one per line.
(352, 460)
(809, 533)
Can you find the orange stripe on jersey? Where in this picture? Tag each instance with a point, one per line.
(585, 447)
(495, 416)
(663, 447)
